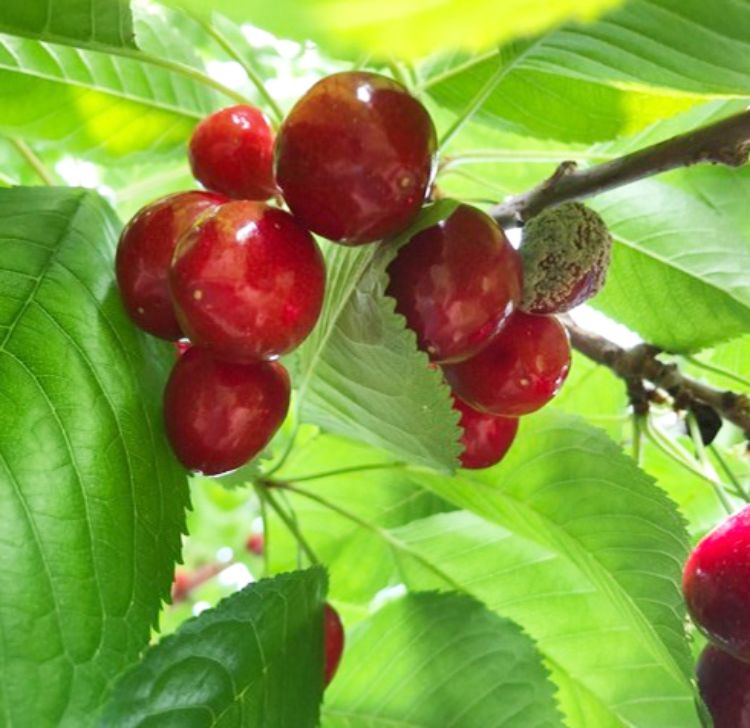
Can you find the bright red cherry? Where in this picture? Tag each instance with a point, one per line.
(248, 282)
(355, 157)
(220, 415)
(456, 283)
(724, 684)
(144, 253)
(486, 438)
(716, 584)
(231, 151)
(255, 543)
(521, 370)
(333, 635)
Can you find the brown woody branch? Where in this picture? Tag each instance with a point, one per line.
(641, 364)
(724, 142)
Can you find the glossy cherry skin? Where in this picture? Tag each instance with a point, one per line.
(520, 370)
(724, 684)
(355, 157)
(220, 415)
(486, 438)
(456, 283)
(248, 282)
(231, 151)
(143, 255)
(716, 585)
(333, 636)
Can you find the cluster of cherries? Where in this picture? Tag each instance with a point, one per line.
(243, 281)
(716, 585)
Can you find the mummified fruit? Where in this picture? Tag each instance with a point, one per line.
(565, 252)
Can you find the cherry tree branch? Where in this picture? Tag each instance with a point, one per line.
(724, 142)
(641, 364)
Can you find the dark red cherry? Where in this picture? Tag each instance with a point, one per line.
(716, 584)
(724, 684)
(231, 151)
(333, 632)
(255, 543)
(521, 369)
(144, 253)
(355, 157)
(248, 282)
(486, 438)
(220, 415)
(456, 283)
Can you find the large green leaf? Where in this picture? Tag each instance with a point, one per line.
(440, 661)
(95, 103)
(572, 541)
(254, 660)
(612, 77)
(359, 561)
(678, 268)
(91, 499)
(87, 23)
(359, 373)
(408, 29)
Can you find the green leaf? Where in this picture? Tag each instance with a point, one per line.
(360, 374)
(568, 538)
(92, 501)
(678, 268)
(360, 562)
(403, 29)
(612, 77)
(86, 23)
(104, 106)
(442, 661)
(256, 659)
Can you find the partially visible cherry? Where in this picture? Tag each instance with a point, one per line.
(181, 346)
(144, 253)
(521, 370)
(724, 684)
(716, 585)
(486, 438)
(180, 585)
(231, 151)
(255, 543)
(456, 283)
(333, 635)
(220, 415)
(247, 282)
(355, 157)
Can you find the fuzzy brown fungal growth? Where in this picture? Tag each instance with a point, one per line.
(566, 252)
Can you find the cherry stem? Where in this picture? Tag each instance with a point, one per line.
(275, 110)
(346, 471)
(637, 421)
(291, 524)
(261, 493)
(745, 494)
(724, 142)
(474, 105)
(383, 533)
(27, 153)
(717, 370)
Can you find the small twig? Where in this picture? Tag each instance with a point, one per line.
(723, 142)
(642, 363)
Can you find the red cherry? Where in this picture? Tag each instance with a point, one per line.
(521, 370)
(716, 584)
(180, 585)
(724, 684)
(255, 543)
(355, 157)
(231, 151)
(247, 282)
(220, 415)
(486, 438)
(456, 283)
(144, 253)
(181, 346)
(333, 632)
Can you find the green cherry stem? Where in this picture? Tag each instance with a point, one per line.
(292, 525)
(383, 533)
(726, 373)
(347, 471)
(261, 493)
(30, 157)
(743, 492)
